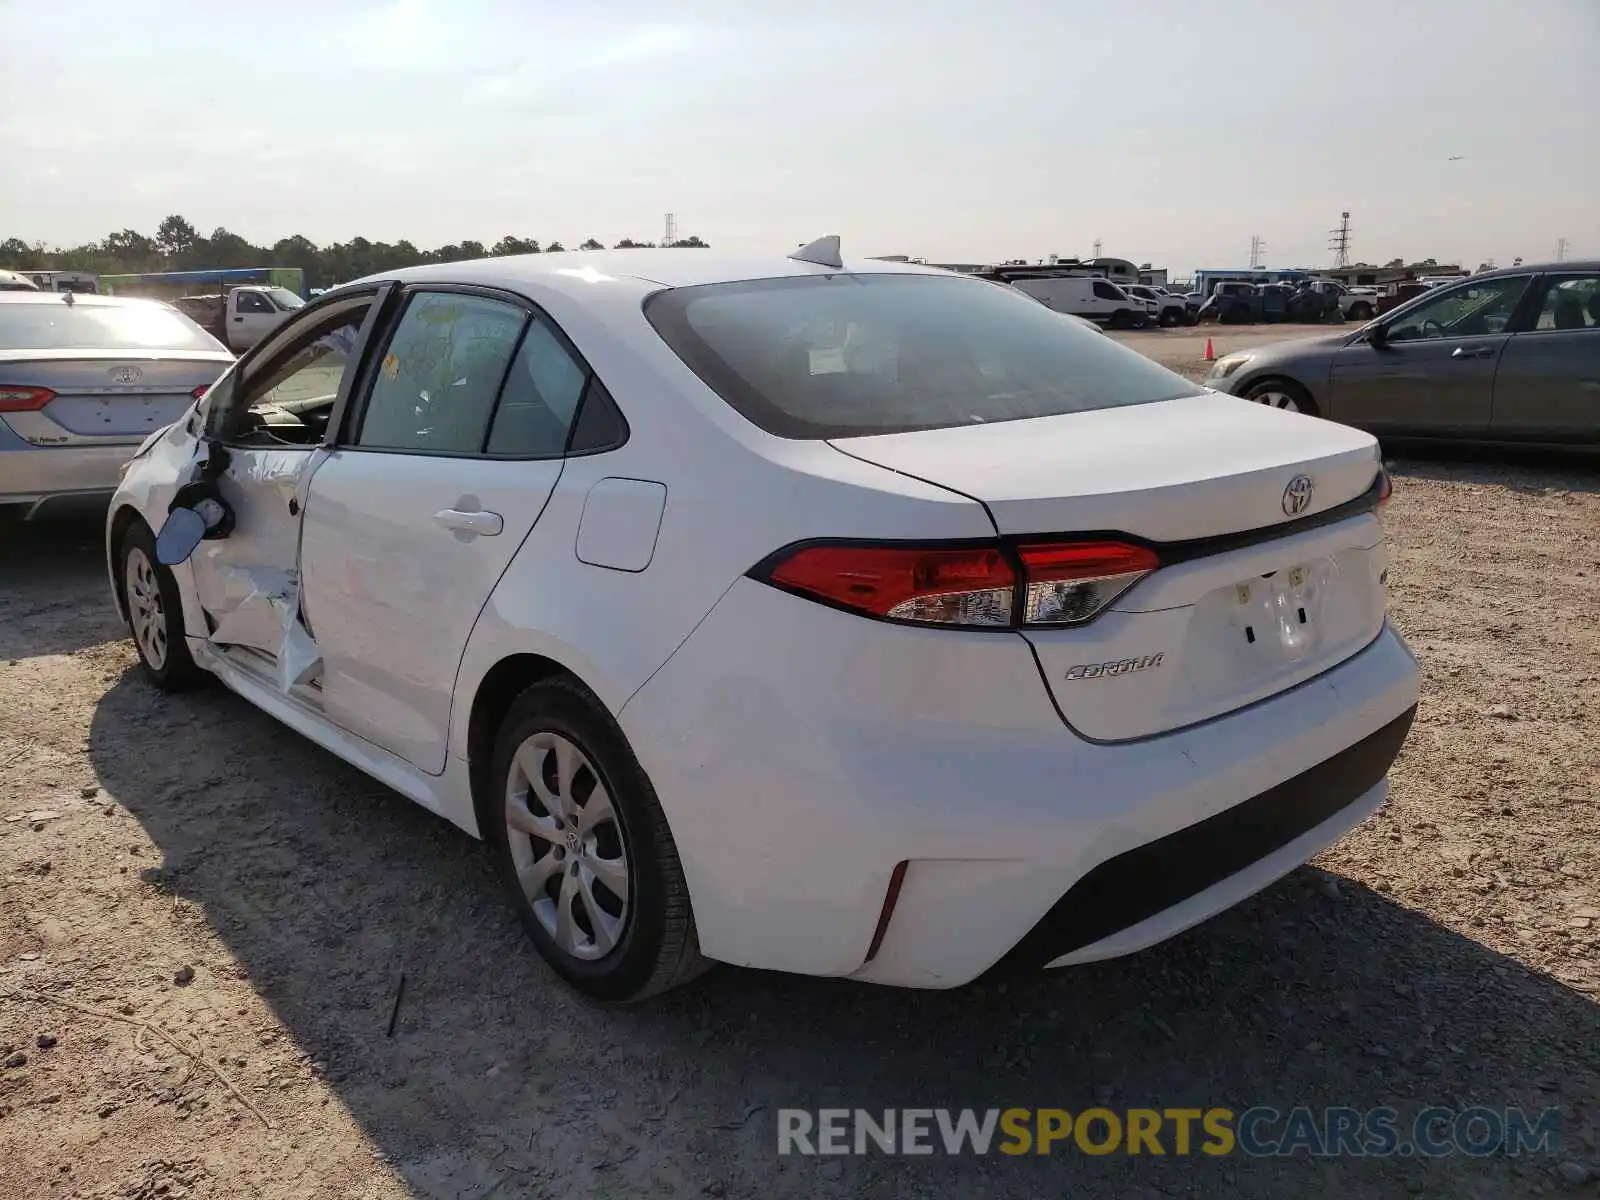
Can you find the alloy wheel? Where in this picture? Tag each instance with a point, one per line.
(568, 846)
(145, 612)
(1277, 399)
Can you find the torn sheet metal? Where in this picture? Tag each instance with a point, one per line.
(251, 583)
(265, 615)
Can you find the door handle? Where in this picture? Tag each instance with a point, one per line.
(485, 524)
(1464, 352)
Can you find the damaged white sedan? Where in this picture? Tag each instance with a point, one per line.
(853, 620)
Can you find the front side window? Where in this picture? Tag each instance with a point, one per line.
(825, 356)
(1106, 292)
(435, 387)
(1473, 310)
(289, 397)
(1570, 302)
(252, 302)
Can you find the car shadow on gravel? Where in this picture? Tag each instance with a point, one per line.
(327, 888)
(54, 598)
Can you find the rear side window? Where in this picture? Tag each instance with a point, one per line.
(53, 324)
(540, 399)
(822, 356)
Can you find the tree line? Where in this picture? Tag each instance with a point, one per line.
(177, 246)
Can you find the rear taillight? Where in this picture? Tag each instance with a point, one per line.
(1385, 487)
(1068, 584)
(935, 586)
(1049, 584)
(199, 393)
(24, 399)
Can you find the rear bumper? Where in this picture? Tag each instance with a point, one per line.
(1150, 892)
(802, 754)
(37, 474)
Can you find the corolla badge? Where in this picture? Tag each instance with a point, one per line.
(126, 375)
(1297, 496)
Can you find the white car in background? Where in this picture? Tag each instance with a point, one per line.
(851, 619)
(84, 380)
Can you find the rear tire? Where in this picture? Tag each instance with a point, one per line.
(1169, 318)
(1282, 393)
(155, 613)
(584, 849)
(1361, 312)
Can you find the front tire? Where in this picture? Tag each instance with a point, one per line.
(155, 613)
(1361, 312)
(1170, 317)
(584, 848)
(1284, 394)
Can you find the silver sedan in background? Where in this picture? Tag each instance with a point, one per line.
(84, 380)
(1510, 357)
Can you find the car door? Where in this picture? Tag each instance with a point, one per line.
(1432, 372)
(442, 468)
(251, 317)
(267, 420)
(1107, 300)
(1548, 385)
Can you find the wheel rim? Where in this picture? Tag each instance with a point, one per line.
(1277, 399)
(568, 846)
(145, 612)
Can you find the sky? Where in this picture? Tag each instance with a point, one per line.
(955, 131)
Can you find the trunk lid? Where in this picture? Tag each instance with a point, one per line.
(1222, 623)
(1171, 471)
(105, 396)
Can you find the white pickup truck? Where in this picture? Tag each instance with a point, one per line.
(1355, 304)
(241, 316)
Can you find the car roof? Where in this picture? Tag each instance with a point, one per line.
(1589, 264)
(573, 270)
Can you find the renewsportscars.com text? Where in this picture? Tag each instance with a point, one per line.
(1260, 1131)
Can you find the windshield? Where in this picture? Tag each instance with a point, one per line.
(285, 299)
(823, 356)
(56, 325)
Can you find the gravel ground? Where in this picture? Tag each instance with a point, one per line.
(200, 877)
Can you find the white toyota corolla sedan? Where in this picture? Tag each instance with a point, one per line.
(852, 619)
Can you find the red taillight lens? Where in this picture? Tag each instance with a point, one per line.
(1385, 488)
(1069, 583)
(199, 393)
(1063, 583)
(937, 586)
(24, 399)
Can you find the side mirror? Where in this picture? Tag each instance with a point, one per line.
(1378, 336)
(181, 532)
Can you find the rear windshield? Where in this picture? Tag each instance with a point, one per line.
(56, 325)
(823, 356)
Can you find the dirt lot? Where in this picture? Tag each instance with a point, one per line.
(1447, 952)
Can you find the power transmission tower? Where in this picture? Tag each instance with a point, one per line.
(1097, 247)
(1339, 243)
(672, 231)
(1255, 251)
(1561, 249)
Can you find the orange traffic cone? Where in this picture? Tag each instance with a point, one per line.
(1211, 355)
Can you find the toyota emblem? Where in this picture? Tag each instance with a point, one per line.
(1297, 496)
(126, 375)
